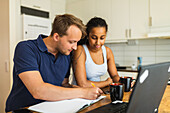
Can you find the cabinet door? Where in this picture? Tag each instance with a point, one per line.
(37, 4)
(139, 19)
(57, 7)
(160, 13)
(119, 19)
(103, 10)
(83, 9)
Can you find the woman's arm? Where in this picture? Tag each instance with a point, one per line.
(79, 70)
(66, 84)
(111, 65)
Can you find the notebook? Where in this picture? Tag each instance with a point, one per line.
(64, 106)
(147, 93)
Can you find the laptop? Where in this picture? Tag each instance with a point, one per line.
(147, 93)
(169, 82)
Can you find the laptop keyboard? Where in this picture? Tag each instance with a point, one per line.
(111, 108)
(119, 108)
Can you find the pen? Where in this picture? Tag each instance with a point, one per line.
(93, 84)
(98, 94)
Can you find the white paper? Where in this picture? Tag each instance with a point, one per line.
(117, 101)
(64, 106)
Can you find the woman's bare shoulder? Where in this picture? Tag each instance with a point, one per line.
(79, 47)
(79, 51)
(108, 50)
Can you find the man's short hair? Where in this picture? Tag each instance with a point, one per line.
(63, 22)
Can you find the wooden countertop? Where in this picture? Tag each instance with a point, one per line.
(127, 70)
(165, 102)
(163, 108)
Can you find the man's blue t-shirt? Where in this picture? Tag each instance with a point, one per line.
(33, 55)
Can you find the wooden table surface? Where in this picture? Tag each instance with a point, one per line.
(163, 108)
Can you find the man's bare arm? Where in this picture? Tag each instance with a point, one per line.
(45, 91)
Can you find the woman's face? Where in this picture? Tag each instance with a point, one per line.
(97, 37)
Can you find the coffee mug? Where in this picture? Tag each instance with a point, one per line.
(127, 82)
(116, 91)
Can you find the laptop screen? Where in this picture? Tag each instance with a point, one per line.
(149, 88)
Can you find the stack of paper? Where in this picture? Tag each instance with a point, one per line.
(64, 106)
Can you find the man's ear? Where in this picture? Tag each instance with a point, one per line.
(56, 36)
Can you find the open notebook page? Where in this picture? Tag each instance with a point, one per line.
(64, 106)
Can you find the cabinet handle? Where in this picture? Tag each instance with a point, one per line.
(129, 32)
(150, 21)
(36, 6)
(126, 33)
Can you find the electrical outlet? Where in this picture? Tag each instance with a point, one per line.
(7, 66)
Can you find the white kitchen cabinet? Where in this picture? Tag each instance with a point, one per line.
(120, 19)
(129, 19)
(57, 7)
(159, 13)
(43, 5)
(87, 9)
(159, 18)
(138, 19)
(103, 10)
(83, 9)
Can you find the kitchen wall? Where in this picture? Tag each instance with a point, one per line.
(11, 34)
(151, 51)
(6, 34)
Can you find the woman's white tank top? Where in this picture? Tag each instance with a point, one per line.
(95, 71)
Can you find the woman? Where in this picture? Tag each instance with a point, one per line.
(92, 59)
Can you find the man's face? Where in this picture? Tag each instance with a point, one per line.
(68, 42)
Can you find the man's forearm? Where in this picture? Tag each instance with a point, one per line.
(51, 92)
(70, 85)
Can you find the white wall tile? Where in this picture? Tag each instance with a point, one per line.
(117, 48)
(108, 45)
(146, 48)
(147, 53)
(129, 63)
(147, 42)
(163, 54)
(162, 59)
(163, 47)
(119, 58)
(131, 53)
(151, 51)
(131, 48)
(148, 60)
(162, 41)
(118, 53)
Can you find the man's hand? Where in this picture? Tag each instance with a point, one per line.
(92, 93)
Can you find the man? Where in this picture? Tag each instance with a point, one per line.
(42, 66)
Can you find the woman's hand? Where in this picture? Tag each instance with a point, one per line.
(132, 84)
(109, 80)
